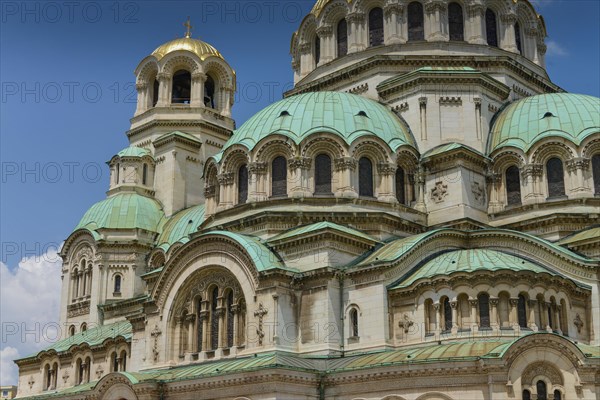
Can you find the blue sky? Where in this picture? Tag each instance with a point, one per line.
(67, 96)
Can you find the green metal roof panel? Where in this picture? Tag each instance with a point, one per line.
(332, 112)
(580, 236)
(180, 226)
(133, 151)
(525, 122)
(319, 226)
(469, 261)
(180, 134)
(92, 336)
(124, 211)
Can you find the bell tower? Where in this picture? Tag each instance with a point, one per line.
(183, 115)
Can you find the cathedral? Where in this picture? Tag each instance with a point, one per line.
(417, 219)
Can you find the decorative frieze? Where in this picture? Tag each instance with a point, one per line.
(402, 107)
(450, 101)
(360, 89)
(78, 309)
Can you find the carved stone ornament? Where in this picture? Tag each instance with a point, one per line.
(578, 322)
(406, 323)
(156, 332)
(439, 192)
(542, 369)
(260, 313)
(478, 192)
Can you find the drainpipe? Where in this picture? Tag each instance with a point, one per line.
(322, 376)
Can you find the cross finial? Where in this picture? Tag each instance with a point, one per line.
(189, 27)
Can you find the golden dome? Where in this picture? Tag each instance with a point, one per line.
(198, 47)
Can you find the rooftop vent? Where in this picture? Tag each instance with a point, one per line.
(362, 114)
(548, 114)
(284, 114)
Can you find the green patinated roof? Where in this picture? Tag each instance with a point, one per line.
(583, 235)
(133, 151)
(524, 122)
(180, 226)
(468, 261)
(124, 211)
(318, 112)
(180, 134)
(448, 147)
(92, 336)
(319, 226)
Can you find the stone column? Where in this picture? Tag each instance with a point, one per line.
(557, 318)
(356, 42)
(474, 325)
(234, 314)
(393, 20)
(541, 52)
(436, 12)
(454, 306)
(385, 189)
(210, 196)
(531, 306)
(299, 168)
(325, 32)
(306, 64)
(142, 97)
(423, 117)
(531, 175)
(495, 182)
(226, 93)
(494, 312)
(420, 179)
(509, 42)
(190, 320)
(204, 321)
(476, 30)
(529, 44)
(513, 318)
(576, 168)
(226, 186)
(477, 101)
(257, 172)
(438, 321)
(344, 167)
(197, 95)
(221, 313)
(164, 89)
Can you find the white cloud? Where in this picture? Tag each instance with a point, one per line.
(554, 49)
(29, 309)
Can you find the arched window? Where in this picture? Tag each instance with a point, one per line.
(518, 37)
(83, 327)
(47, 377)
(564, 322)
(484, 310)
(522, 311)
(72, 330)
(155, 93)
(114, 362)
(118, 173)
(416, 24)
(513, 186)
(456, 22)
(491, 28)
(214, 320)
(342, 38)
(596, 173)
(323, 175)
(430, 317)
(354, 323)
(400, 188)
(317, 50)
(526, 395)
(279, 177)
(80, 370)
(123, 360)
(556, 178)
(182, 87)
(54, 375)
(117, 284)
(557, 395)
(145, 174)
(199, 324)
(447, 314)
(376, 27)
(75, 283)
(241, 329)
(542, 390)
(87, 369)
(365, 177)
(209, 93)
(243, 184)
(230, 316)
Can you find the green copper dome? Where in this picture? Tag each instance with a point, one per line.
(525, 122)
(133, 151)
(346, 115)
(124, 211)
(180, 226)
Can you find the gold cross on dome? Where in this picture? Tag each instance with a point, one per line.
(189, 27)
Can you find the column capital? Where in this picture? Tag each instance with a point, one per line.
(386, 168)
(163, 76)
(345, 163)
(299, 162)
(199, 77)
(325, 31)
(225, 178)
(509, 18)
(258, 168)
(356, 17)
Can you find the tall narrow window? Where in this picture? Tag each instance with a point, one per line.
(556, 178)
(416, 24)
(513, 186)
(564, 322)
(209, 93)
(542, 390)
(145, 174)
(279, 177)
(526, 395)
(491, 28)
(522, 311)
(242, 184)
(322, 175)
(199, 324)
(54, 375)
(353, 322)
(342, 38)
(214, 320)
(557, 395)
(182, 87)
(365, 177)
(456, 22)
(117, 284)
(400, 188)
(72, 330)
(317, 50)
(47, 377)
(83, 327)
(80, 371)
(484, 310)
(376, 27)
(518, 37)
(123, 360)
(155, 93)
(118, 174)
(114, 362)
(447, 315)
(230, 317)
(596, 173)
